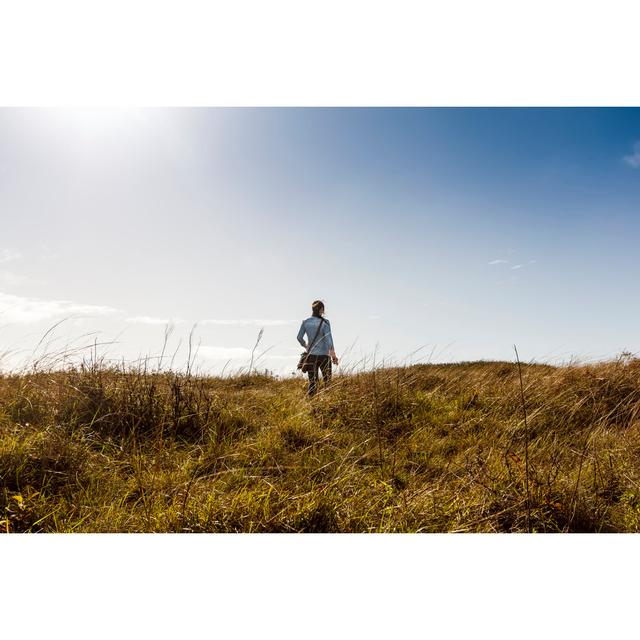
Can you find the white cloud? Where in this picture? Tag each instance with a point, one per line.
(257, 322)
(17, 309)
(47, 253)
(153, 320)
(11, 279)
(500, 261)
(516, 266)
(633, 160)
(9, 255)
(248, 323)
(223, 353)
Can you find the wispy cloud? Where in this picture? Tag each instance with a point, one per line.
(223, 353)
(514, 267)
(153, 320)
(633, 160)
(248, 322)
(11, 279)
(21, 310)
(47, 253)
(9, 255)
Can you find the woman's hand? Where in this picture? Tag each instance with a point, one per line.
(334, 359)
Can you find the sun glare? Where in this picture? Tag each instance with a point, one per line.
(92, 124)
(97, 122)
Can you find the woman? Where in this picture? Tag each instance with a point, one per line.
(319, 346)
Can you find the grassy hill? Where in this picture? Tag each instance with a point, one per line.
(428, 448)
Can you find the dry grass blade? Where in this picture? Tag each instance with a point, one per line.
(526, 441)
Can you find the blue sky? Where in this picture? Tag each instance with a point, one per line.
(458, 232)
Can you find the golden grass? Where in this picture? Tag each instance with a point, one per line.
(427, 448)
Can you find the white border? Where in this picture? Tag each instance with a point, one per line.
(319, 586)
(288, 52)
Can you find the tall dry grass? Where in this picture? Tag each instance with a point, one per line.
(424, 448)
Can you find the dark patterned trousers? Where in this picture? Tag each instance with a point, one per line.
(318, 364)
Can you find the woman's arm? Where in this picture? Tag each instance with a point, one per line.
(329, 339)
(301, 337)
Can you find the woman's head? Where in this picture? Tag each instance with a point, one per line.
(317, 308)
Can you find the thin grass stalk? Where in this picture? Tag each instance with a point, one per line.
(377, 416)
(526, 442)
(255, 346)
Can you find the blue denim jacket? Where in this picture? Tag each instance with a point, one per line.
(323, 342)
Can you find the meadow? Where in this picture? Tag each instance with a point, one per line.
(423, 448)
